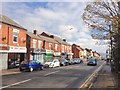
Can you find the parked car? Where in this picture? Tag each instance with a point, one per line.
(77, 60)
(30, 65)
(13, 64)
(92, 61)
(64, 62)
(17, 64)
(70, 60)
(55, 63)
(46, 64)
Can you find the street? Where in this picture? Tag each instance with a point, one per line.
(72, 76)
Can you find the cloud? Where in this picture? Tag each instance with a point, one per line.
(54, 18)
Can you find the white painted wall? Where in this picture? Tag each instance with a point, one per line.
(3, 61)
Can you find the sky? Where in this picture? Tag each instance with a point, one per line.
(63, 19)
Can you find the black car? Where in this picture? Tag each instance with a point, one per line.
(13, 64)
(92, 61)
(64, 62)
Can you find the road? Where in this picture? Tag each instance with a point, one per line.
(72, 76)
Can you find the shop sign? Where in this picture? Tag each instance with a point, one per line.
(70, 53)
(17, 49)
(39, 51)
(49, 51)
(57, 54)
(4, 48)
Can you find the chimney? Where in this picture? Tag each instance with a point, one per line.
(35, 32)
(51, 36)
(64, 40)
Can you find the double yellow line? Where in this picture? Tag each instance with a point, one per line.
(91, 76)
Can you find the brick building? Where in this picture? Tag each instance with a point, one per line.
(12, 41)
(34, 46)
(64, 48)
(77, 51)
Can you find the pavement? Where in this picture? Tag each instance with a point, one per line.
(9, 71)
(104, 78)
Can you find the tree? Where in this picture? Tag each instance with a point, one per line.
(99, 16)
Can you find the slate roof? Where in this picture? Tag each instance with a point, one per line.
(6, 20)
(33, 36)
(48, 39)
(60, 40)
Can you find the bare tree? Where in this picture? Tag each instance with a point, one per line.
(100, 14)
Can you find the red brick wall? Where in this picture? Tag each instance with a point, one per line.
(31, 44)
(75, 52)
(7, 32)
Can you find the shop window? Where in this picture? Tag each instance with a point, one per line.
(63, 48)
(15, 35)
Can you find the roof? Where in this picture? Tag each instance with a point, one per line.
(48, 39)
(60, 40)
(33, 35)
(6, 20)
(78, 48)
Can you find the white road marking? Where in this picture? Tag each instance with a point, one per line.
(50, 73)
(15, 83)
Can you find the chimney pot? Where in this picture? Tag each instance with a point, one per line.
(51, 36)
(35, 32)
(64, 40)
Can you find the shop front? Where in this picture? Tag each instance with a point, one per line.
(69, 55)
(16, 55)
(48, 55)
(3, 56)
(37, 54)
(57, 55)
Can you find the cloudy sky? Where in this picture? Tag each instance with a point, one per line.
(63, 19)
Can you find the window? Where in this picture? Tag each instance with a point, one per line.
(50, 46)
(0, 25)
(34, 43)
(65, 48)
(62, 48)
(39, 44)
(15, 35)
(56, 46)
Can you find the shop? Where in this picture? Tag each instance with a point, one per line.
(48, 55)
(16, 55)
(4, 56)
(37, 54)
(69, 55)
(57, 55)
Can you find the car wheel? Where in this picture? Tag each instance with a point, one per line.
(31, 69)
(42, 68)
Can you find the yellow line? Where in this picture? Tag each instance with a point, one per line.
(90, 77)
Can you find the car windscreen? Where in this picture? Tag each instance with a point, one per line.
(91, 60)
(24, 62)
